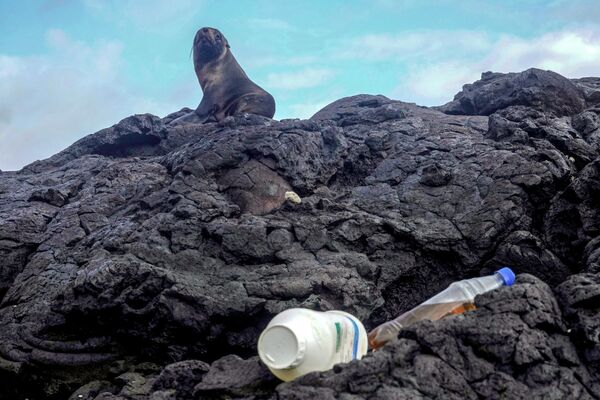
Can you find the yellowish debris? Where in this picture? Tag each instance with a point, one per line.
(292, 197)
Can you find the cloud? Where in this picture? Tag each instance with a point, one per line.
(571, 53)
(256, 59)
(152, 15)
(306, 78)
(307, 110)
(52, 5)
(437, 83)
(47, 102)
(573, 11)
(413, 45)
(271, 23)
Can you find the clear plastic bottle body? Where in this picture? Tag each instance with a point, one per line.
(455, 299)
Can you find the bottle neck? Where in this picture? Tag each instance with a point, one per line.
(477, 286)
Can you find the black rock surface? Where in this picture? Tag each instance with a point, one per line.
(542, 90)
(143, 261)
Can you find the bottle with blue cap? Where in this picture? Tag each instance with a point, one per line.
(455, 299)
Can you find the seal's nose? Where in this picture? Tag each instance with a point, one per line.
(202, 35)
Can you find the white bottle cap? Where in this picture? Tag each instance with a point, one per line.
(280, 347)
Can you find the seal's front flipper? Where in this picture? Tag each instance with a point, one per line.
(189, 118)
(209, 113)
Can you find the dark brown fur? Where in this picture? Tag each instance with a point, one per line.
(226, 87)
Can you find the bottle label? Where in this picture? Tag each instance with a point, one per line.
(338, 337)
(346, 343)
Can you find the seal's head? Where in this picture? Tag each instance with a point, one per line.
(209, 45)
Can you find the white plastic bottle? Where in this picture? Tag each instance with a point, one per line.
(298, 341)
(455, 299)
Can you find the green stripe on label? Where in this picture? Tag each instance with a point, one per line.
(338, 336)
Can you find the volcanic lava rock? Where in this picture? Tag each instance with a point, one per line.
(581, 299)
(143, 261)
(544, 91)
(517, 344)
(590, 88)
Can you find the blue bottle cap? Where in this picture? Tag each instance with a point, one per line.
(507, 275)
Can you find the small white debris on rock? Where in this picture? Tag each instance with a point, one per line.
(292, 197)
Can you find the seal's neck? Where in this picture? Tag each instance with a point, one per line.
(215, 71)
(212, 71)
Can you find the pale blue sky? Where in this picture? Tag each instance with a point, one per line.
(69, 68)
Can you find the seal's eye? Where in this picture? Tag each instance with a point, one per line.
(218, 37)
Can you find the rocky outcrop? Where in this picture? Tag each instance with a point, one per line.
(143, 261)
(590, 88)
(545, 91)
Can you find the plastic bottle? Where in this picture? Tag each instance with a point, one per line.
(298, 341)
(455, 299)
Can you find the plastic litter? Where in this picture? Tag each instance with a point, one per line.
(293, 197)
(298, 341)
(455, 299)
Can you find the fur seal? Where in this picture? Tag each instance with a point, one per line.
(226, 88)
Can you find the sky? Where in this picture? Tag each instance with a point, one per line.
(69, 68)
